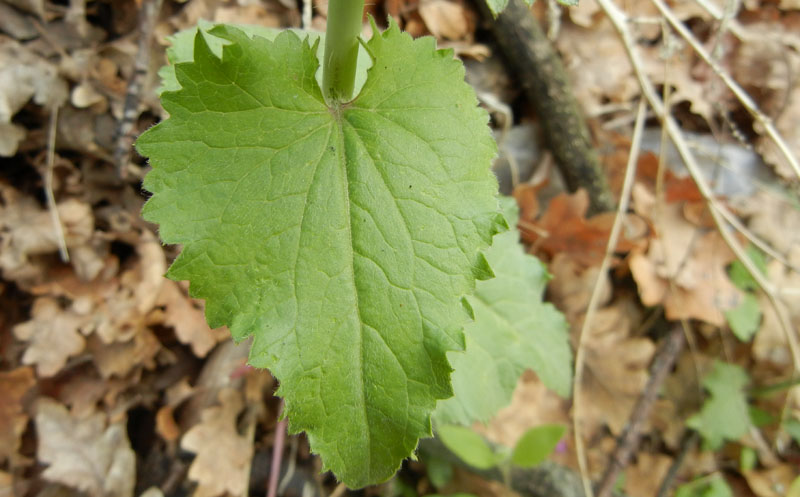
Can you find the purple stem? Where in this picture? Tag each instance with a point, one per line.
(277, 456)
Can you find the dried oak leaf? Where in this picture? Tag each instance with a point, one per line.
(695, 262)
(644, 478)
(120, 358)
(25, 75)
(772, 482)
(445, 19)
(53, 335)
(572, 286)
(564, 229)
(766, 62)
(26, 230)
(84, 452)
(186, 316)
(617, 368)
(223, 455)
(116, 306)
(533, 404)
(13, 387)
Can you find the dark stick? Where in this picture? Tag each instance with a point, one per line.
(277, 456)
(541, 73)
(628, 441)
(123, 141)
(689, 440)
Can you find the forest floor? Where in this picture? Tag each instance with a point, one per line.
(112, 383)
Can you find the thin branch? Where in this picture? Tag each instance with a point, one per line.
(48, 186)
(125, 130)
(732, 85)
(628, 441)
(688, 442)
(616, 229)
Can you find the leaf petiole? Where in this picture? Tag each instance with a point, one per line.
(341, 49)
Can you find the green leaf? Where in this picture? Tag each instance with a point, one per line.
(715, 486)
(498, 6)
(725, 414)
(794, 488)
(740, 276)
(792, 427)
(537, 444)
(181, 50)
(342, 239)
(745, 318)
(759, 417)
(440, 472)
(512, 331)
(468, 446)
(747, 459)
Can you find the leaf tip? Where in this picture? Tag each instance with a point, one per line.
(482, 270)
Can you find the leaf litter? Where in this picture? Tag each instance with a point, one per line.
(101, 342)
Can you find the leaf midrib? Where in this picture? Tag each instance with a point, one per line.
(338, 122)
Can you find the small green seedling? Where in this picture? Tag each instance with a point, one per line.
(533, 448)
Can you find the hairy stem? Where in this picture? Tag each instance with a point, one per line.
(341, 49)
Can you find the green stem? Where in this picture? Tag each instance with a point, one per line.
(341, 49)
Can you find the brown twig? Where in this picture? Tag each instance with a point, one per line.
(629, 439)
(689, 440)
(544, 80)
(125, 130)
(277, 456)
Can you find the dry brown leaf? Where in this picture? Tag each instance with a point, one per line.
(600, 71)
(83, 452)
(772, 482)
(115, 306)
(772, 217)
(644, 477)
(572, 286)
(186, 316)
(695, 262)
(223, 456)
(26, 230)
(445, 19)
(120, 358)
(584, 13)
(766, 63)
(6, 484)
(564, 229)
(532, 404)
(166, 426)
(25, 75)
(597, 65)
(82, 392)
(13, 387)
(53, 336)
(616, 369)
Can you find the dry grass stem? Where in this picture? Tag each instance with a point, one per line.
(616, 230)
(48, 186)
